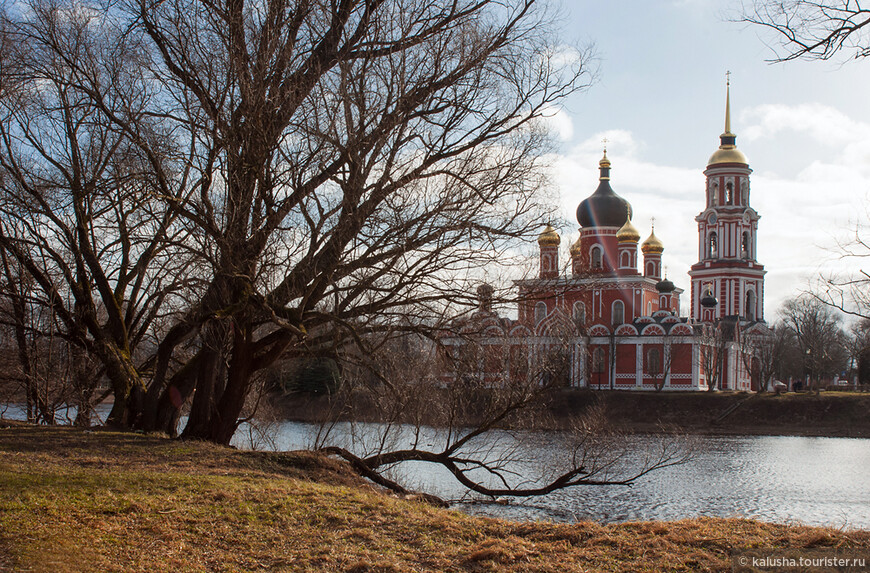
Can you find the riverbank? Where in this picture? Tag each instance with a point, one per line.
(829, 414)
(72, 500)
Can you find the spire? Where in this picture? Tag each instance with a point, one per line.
(728, 102)
(727, 140)
(727, 152)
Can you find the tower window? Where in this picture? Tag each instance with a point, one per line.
(749, 311)
(744, 245)
(625, 260)
(714, 198)
(596, 257)
(540, 312)
(713, 247)
(729, 193)
(618, 313)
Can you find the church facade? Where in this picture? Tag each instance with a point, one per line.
(612, 320)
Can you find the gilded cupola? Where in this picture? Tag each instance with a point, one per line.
(549, 237)
(628, 233)
(652, 244)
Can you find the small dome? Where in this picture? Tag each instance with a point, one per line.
(665, 286)
(604, 208)
(628, 233)
(549, 237)
(652, 244)
(576, 247)
(708, 300)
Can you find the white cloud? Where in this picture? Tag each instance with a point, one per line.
(558, 122)
(846, 141)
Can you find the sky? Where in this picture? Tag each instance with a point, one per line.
(659, 99)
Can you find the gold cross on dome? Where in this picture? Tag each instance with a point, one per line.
(604, 141)
(728, 78)
(653, 222)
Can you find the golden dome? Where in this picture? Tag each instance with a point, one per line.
(628, 233)
(652, 244)
(576, 247)
(549, 237)
(727, 155)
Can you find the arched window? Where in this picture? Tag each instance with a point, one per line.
(649, 308)
(744, 245)
(650, 269)
(714, 197)
(729, 193)
(598, 360)
(625, 260)
(653, 362)
(596, 257)
(540, 311)
(663, 303)
(618, 313)
(579, 313)
(749, 310)
(713, 247)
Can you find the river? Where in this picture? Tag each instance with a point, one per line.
(809, 480)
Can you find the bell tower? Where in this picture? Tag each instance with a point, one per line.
(727, 271)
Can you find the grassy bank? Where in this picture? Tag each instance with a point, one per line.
(99, 501)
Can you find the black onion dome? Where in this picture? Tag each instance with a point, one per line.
(665, 286)
(708, 300)
(604, 208)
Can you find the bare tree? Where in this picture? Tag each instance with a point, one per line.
(819, 336)
(763, 354)
(367, 155)
(345, 164)
(478, 431)
(849, 292)
(80, 214)
(712, 351)
(812, 29)
(659, 359)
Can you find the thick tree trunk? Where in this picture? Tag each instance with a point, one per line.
(127, 385)
(204, 405)
(224, 423)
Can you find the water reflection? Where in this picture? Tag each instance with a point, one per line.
(818, 481)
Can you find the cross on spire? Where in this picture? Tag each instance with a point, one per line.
(653, 221)
(604, 141)
(728, 78)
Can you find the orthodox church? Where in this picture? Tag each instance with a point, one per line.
(612, 316)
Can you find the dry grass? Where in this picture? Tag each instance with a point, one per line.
(72, 501)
